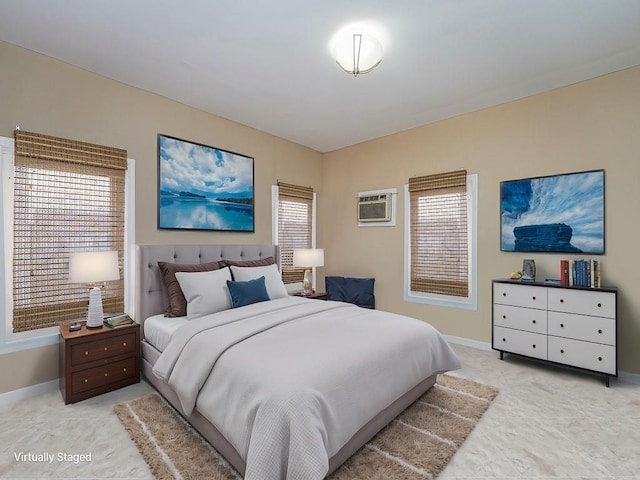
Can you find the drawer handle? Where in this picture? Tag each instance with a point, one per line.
(86, 353)
(562, 300)
(504, 316)
(599, 331)
(124, 344)
(534, 297)
(106, 374)
(534, 321)
(504, 294)
(105, 349)
(504, 339)
(534, 345)
(562, 325)
(124, 369)
(599, 305)
(599, 359)
(561, 351)
(86, 381)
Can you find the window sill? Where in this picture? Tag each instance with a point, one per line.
(14, 342)
(441, 300)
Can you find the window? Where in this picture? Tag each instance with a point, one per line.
(440, 237)
(294, 226)
(67, 196)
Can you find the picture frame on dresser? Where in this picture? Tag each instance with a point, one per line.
(570, 326)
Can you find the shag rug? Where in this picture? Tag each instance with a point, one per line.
(418, 444)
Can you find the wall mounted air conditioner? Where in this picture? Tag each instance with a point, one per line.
(374, 208)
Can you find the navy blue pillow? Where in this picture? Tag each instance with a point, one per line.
(358, 291)
(246, 293)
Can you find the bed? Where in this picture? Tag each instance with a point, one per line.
(287, 388)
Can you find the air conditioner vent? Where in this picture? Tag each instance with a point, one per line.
(374, 208)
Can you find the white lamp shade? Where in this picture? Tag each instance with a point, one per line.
(93, 267)
(308, 257)
(357, 52)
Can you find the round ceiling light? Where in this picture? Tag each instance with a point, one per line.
(356, 51)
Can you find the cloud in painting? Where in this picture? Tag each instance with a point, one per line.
(193, 168)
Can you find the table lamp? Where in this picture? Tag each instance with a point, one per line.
(94, 268)
(308, 258)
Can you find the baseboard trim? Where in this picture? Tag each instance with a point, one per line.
(467, 342)
(9, 399)
(629, 377)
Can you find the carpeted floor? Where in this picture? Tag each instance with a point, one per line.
(416, 445)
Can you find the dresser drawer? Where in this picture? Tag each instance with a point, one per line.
(584, 302)
(592, 356)
(520, 295)
(528, 319)
(582, 327)
(105, 347)
(102, 376)
(517, 341)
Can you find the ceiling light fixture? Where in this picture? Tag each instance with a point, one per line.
(357, 52)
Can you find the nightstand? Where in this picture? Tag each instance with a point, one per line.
(314, 295)
(97, 361)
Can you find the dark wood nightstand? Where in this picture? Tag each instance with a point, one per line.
(97, 361)
(314, 295)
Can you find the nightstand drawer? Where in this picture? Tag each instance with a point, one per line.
(103, 348)
(103, 375)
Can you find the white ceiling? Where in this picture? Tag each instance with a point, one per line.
(267, 64)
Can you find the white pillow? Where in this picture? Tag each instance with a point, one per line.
(272, 278)
(205, 292)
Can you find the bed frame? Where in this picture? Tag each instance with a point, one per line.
(149, 302)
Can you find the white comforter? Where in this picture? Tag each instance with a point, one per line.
(289, 381)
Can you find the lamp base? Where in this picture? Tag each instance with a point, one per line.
(95, 315)
(307, 283)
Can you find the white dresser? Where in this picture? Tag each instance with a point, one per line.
(564, 325)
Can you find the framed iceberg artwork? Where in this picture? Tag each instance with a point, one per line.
(203, 188)
(557, 213)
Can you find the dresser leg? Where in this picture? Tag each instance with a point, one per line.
(606, 380)
(501, 355)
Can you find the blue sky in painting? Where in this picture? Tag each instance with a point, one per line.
(575, 199)
(187, 167)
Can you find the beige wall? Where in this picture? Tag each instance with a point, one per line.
(47, 96)
(590, 125)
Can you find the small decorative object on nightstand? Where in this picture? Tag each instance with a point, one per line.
(97, 361)
(313, 295)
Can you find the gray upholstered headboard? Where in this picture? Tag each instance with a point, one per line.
(149, 293)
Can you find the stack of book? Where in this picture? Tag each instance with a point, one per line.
(580, 273)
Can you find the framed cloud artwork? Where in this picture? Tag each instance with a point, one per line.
(204, 188)
(557, 213)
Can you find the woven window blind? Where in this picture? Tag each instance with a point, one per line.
(295, 208)
(68, 196)
(438, 230)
